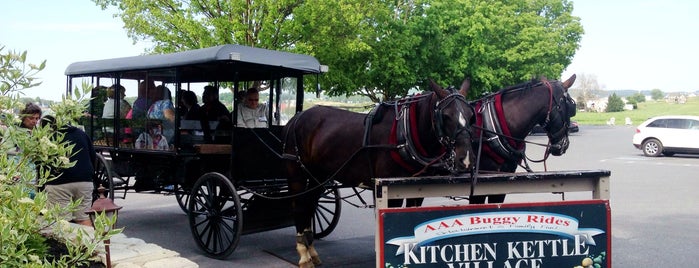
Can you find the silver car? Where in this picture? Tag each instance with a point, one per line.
(668, 135)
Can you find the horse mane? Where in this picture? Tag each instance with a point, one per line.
(524, 85)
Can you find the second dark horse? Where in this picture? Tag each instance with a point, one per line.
(506, 117)
(425, 134)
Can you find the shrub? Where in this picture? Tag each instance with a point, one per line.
(614, 103)
(24, 215)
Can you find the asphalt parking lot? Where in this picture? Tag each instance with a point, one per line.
(653, 203)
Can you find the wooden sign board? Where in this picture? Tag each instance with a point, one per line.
(522, 235)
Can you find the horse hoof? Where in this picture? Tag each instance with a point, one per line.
(306, 265)
(316, 260)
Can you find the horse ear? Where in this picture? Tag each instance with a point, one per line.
(438, 89)
(569, 83)
(463, 90)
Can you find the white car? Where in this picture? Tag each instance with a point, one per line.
(668, 135)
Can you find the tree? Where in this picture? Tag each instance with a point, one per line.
(586, 88)
(379, 49)
(614, 103)
(366, 43)
(657, 94)
(499, 44)
(173, 25)
(637, 97)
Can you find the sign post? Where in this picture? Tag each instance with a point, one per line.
(525, 235)
(517, 235)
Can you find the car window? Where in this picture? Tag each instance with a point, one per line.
(658, 123)
(677, 123)
(693, 124)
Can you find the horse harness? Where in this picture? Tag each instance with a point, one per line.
(409, 152)
(494, 131)
(490, 119)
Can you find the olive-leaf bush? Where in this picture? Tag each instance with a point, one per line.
(25, 218)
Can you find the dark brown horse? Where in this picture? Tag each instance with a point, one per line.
(505, 118)
(423, 134)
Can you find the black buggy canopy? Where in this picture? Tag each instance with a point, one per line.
(219, 63)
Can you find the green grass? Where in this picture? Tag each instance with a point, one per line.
(645, 110)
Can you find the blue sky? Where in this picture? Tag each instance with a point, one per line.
(62, 32)
(640, 45)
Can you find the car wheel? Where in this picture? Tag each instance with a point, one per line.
(652, 147)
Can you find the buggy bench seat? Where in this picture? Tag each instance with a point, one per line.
(213, 148)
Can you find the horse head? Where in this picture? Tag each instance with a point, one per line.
(452, 120)
(562, 108)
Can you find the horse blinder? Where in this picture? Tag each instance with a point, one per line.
(571, 106)
(449, 141)
(566, 108)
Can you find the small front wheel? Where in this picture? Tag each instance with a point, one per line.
(215, 215)
(103, 176)
(652, 147)
(327, 214)
(182, 197)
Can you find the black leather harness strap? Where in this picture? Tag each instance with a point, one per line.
(493, 130)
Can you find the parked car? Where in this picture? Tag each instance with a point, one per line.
(668, 135)
(573, 127)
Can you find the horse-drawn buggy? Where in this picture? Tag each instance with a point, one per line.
(287, 170)
(220, 171)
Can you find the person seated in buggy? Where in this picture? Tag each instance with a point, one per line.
(190, 106)
(252, 114)
(213, 109)
(163, 109)
(124, 106)
(153, 139)
(216, 115)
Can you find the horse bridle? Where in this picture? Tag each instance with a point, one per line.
(449, 141)
(565, 107)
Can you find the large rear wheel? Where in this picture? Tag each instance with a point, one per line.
(327, 213)
(215, 215)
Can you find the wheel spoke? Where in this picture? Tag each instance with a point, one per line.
(319, 216)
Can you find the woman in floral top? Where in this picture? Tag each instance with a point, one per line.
(163, 109)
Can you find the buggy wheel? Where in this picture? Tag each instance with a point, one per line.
(215, 216)
(182, 197)
(103, 176)
(327, 213)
